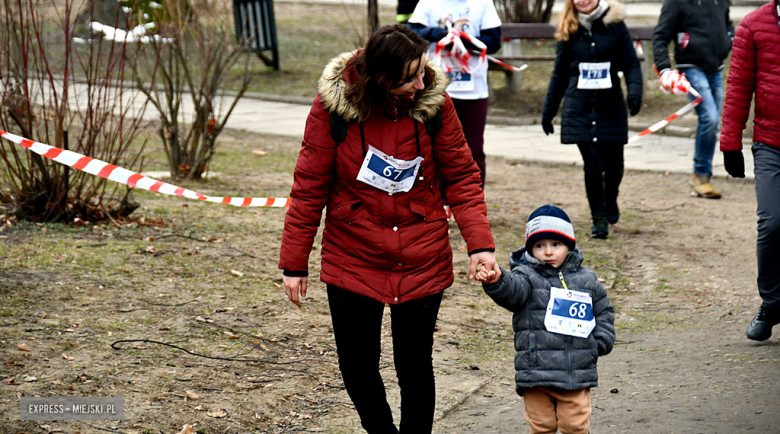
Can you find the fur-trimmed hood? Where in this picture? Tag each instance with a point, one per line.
(332, 89)
(615, 13)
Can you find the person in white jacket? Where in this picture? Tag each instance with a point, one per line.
(468, 90)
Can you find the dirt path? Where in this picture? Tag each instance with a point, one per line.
(679, 270)
(685, 294)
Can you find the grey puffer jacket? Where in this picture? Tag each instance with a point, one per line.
(550, 359)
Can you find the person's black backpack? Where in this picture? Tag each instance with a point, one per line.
(339, 127)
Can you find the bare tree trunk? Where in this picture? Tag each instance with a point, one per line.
(373, 16)
(525, 11)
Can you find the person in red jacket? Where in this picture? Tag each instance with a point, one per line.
(755, 68)
(385, 239)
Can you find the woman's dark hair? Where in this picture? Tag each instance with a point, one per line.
(384, 65)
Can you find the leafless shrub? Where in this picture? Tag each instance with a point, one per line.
(60, 93)
(524, 11)
(198, 61)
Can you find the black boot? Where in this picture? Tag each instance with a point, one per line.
(613, 213)
(761, 327)
(600, 227)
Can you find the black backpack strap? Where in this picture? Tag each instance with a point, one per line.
(433, 126)
(338, 128)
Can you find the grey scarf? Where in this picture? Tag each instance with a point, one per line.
(586, 21)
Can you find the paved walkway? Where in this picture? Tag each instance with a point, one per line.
(632, 9)
(655, 152)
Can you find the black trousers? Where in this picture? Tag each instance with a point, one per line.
(357, 323)
(767, 173)
(603, 173)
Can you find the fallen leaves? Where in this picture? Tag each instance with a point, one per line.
(187, 429)
(220, 413)
(192, 395)
(66, 357)
(260, 153)
(236, 273)
(22, 347)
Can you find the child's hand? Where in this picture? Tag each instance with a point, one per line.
(486, 275)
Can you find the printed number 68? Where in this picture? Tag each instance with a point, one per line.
(574, 311)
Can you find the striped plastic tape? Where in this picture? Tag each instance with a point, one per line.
(657, 126)
(132, 179)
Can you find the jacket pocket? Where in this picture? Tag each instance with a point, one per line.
(533, 357)
(426, 212)
(346, 210)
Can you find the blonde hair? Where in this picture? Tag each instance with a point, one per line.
(568, 22)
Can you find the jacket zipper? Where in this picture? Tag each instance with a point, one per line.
(568, 343)
(563, 282)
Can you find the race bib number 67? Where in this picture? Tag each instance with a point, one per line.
(387, 173)
(569, 313)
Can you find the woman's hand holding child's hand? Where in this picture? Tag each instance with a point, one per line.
(486, 275)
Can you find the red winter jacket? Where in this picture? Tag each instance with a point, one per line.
(392, 248)
(755, 67)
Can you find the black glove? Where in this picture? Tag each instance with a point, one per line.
(634, 105)
(547, 126)
(735, 163)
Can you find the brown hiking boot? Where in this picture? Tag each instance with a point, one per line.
(702, 188)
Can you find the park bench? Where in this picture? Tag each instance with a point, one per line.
(642, 34)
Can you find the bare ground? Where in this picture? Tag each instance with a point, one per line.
(681, 272)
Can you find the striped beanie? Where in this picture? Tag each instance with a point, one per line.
(549, 222)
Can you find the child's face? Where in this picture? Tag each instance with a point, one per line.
(550, 251)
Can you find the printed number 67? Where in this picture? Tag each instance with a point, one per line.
(388, 172)
(574, 311)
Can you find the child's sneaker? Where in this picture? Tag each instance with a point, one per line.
(702, 188)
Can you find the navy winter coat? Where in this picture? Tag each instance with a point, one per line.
(594, 115)
(549, 359)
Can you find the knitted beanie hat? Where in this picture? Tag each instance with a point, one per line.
(549, 222)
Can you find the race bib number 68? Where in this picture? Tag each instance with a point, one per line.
(569, 313)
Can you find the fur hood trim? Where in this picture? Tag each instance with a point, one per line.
(616, 12)
(333, 88)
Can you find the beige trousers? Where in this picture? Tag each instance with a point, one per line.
(549, 409)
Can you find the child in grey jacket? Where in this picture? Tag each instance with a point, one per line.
(563, 322)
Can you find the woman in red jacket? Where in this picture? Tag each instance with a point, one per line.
(755, 68)
(385, 238)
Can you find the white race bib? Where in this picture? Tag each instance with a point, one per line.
(460, 82)
(387, 173)
(594, 76)
(569, 313)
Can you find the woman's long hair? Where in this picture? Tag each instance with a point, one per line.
(383, 65)
(568, 22)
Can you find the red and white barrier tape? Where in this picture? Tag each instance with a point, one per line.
(457, 58)
(505, 65)
(132, 179)
(666, 121)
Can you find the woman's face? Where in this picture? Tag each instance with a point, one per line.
(585, 6)
(413, 82)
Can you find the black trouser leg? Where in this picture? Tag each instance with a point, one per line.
(413, 323)
(613, 175)
(357, 325)
(767, 174)
(603, 173)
